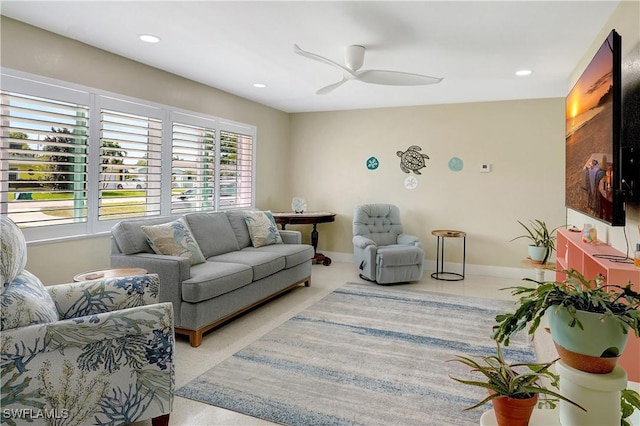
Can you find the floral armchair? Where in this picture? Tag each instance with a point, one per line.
(93, 352)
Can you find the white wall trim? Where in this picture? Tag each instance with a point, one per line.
(485, 270)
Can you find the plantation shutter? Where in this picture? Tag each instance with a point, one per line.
(236, 170)
(193, 167)
(43, 160)
(130, 165)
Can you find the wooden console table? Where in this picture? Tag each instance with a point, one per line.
(308, 218)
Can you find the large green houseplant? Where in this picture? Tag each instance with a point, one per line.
(542, 240)
(577, 309)
(513, 388)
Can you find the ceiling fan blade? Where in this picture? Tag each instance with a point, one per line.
(396, 78)
(296, 49)
(330, 87)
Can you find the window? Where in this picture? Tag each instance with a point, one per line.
(236, 170)
(74, 162)
(193, 165)
(130, 165)
(44, 160)
(209, 168)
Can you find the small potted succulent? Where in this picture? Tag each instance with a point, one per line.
(589, 320)
(513, 387)
(542, 240)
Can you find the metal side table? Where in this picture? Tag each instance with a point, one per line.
(442, 235)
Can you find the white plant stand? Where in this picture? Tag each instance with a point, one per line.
(598, 393)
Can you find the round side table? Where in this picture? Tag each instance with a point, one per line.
(109, 273)
(441, 235)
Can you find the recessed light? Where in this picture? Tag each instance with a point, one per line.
(522, 73)
(149, 38)
(259, 85)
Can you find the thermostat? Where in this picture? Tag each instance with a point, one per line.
(485, 168)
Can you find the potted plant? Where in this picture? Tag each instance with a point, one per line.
(513, 393)
(542, 240)
(589, 321)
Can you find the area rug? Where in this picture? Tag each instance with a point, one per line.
(363, 355)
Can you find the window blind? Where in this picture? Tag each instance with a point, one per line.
(193, 168)
(236, 170)
(44, 160)
(130, 167)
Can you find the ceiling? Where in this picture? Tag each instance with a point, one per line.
(475, 45)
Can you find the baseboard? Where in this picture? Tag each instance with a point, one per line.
(486, 270)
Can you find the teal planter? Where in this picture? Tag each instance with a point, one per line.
(597, 339)
(538, 254)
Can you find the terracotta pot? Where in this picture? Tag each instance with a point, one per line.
(596, 349)
(514, 411)
(586, 363)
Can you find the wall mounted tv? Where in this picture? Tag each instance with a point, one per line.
(593, 171)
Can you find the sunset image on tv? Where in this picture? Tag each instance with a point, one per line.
(589, 138)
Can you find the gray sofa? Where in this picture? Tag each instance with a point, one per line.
(234, 278)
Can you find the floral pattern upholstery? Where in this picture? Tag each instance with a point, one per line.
(13, 248)
(174, 239)
(262, 228)
(109, 362)
(25, 301)
(101, 352)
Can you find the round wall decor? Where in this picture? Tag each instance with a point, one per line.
(455, 164)
(372, 163)
(410, 182)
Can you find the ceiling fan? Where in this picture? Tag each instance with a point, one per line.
(354, 58)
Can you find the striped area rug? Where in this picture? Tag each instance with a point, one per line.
(363, 355)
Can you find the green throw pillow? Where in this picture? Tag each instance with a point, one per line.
(174, 239)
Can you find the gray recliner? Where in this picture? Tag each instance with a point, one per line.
(381, 251)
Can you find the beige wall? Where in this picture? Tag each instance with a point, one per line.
(522, 140)
(321, 156)
(626, 21)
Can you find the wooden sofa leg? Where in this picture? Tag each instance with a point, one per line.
(195, 338)
(162, 420)
(307, 283)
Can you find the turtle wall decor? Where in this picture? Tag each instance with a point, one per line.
(412, 160)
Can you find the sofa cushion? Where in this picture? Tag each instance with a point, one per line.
(129, 238)
(174, 239)
(262, 228)
(25, 301)
(262, 262)
(213, 233)
(13, 251)
(212, 279)
(294, 254)
(239, 226)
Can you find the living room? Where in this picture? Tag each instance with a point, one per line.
(321, 156)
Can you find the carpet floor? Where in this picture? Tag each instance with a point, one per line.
(364, 354)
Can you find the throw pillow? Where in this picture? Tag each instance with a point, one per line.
(25, 301)
(174, 239)
(262, 228)
(13, 251)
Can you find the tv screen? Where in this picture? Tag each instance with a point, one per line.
(593, 129)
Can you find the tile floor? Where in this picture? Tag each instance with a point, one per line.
(223, 342)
